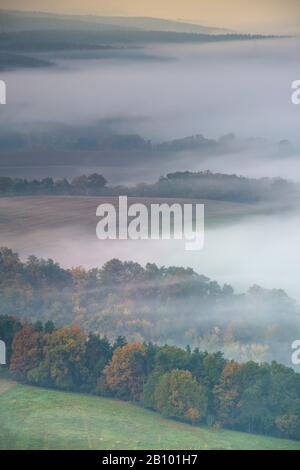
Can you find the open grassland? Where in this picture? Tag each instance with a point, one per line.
(64, 228)
(50, 212)
(36, 418)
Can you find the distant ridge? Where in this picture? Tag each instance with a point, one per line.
(12, 20)
(158, 24)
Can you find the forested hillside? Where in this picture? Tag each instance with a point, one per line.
(161, 304)
(184, 384)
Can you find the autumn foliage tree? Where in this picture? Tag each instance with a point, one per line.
(27, 351)
(228, 394)
(183, 384)
(64, 353)
(179, 395)
(289, 425)
(55, 359)
(125, 375)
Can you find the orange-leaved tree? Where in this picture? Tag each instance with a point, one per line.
(126, 373)
(26, 351)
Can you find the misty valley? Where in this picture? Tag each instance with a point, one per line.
(61, 155)
(120, 138)
(173, 305)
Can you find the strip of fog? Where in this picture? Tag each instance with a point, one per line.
(210, 88)
(240, 248)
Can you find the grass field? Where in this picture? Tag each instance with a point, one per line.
(64, 228)
(35, 418)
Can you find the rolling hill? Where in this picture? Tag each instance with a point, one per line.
(64, 227)
(36, 418)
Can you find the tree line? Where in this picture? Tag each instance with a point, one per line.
(203, 184)
(184, 384)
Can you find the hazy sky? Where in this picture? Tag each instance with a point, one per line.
(253, 15)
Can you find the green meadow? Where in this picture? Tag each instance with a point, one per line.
(37, 418)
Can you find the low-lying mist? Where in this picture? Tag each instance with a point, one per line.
(159, 304)
(163, 93)
(209, 88)
(240, 248)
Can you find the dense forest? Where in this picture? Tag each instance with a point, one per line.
(204, 184)
(184, 384)
(171, 305)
